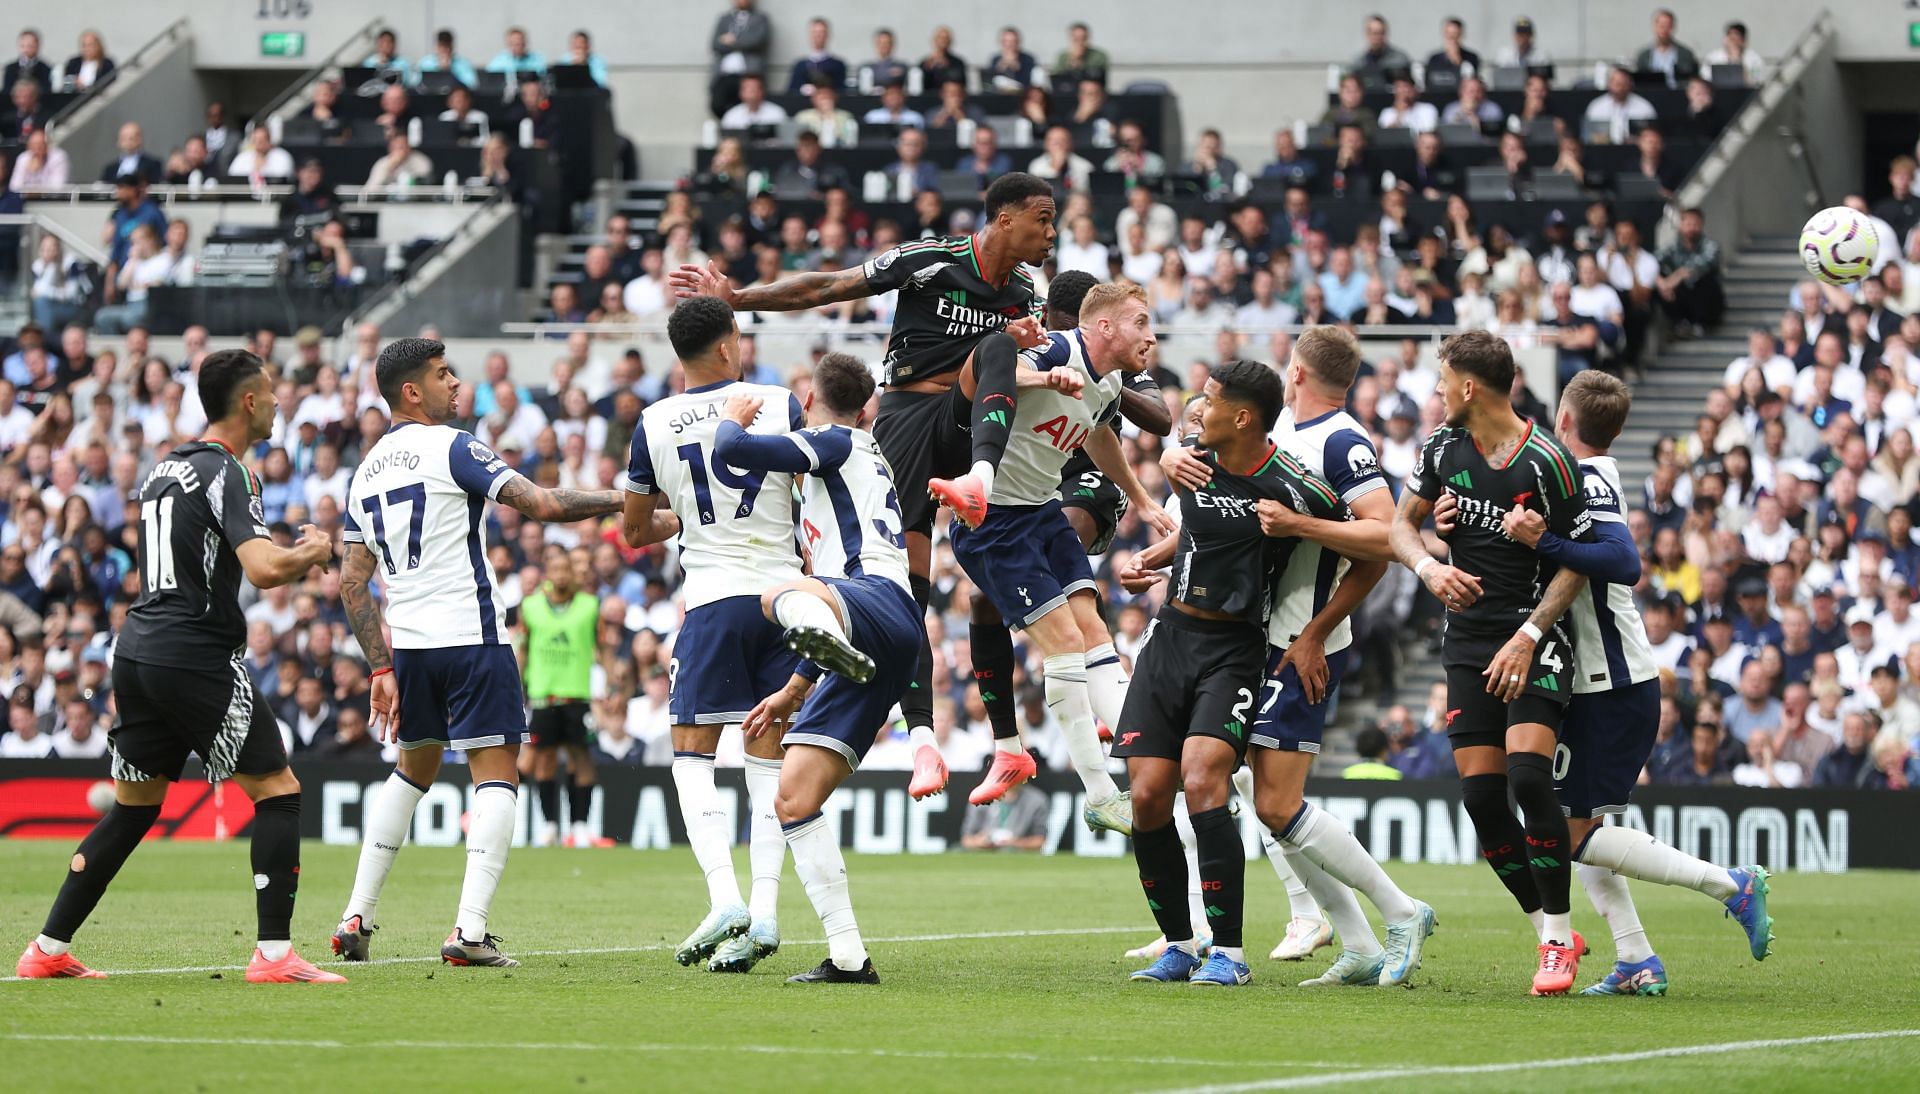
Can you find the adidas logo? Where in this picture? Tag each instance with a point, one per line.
(997, 417)
(1236, 729)
(1547, 683)
(1464, 479)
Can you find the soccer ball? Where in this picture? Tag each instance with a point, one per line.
(1838, 245)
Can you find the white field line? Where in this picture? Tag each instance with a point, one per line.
(1381, 1075)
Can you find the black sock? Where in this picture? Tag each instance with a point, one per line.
(916, 706)
(549, 791)
(1223, 872)
(1163, 877)
(1548, 855)
(996, 363)
(993, 672)
(1502, 841)
(100, 857)
(579, 800)
(276, 864)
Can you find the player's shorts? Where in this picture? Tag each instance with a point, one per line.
(726, 658)
(1287, 722)
(1105, 502)
(1193, 678)
(168, 712)
(1605, 742)
(884, 623)
(460, 697)
(918, 434)
(1026, 558)
(558, 724)
(1475, 717)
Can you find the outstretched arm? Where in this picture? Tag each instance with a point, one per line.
(557, 506)
(795, 293)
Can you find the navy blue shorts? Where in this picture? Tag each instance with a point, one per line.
(726, 658)
(1026, 558)
(885, 624)
(1604, 742)
(460, 697)
(1287, 722)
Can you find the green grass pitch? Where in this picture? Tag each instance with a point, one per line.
(997, 973)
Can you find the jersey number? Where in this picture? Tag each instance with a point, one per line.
(156, 521)
(414, 496)
(748, 483)
(896, 534)
(1550, 659)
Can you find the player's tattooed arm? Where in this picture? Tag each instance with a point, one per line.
(1456, 588)
(1507, 673)
(561, 506)
(796, 293)
(643, 523)
(363, 611)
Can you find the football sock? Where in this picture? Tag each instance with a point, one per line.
(1549, 856)
(1503, 843)
(1066, 687)
(916, 703)
(1183, 827)
(548, 791)
(1163, 877)
(993, 673)
(579, 801)
(275, 853)
(1009, 744)
(489, 833)
(1338, 906)
(1300, 903)
(91, 870)
(922, 736)
(766, 850)
(706, 821)
(794, 608)
(996, 365)
(1610, 897)
(823, 873)
(1638, 855)
(1223, 873)
(1332, 847)
(1106, 685)
(387, 820)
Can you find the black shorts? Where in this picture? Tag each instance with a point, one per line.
(1476, 717)
(559, 724)
(1105, 502)
(167, 713)
(1193, 678)
(920, 434)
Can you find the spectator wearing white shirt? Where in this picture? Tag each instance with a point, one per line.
(260, 163)
(1619, 107)
(1522, 53)
(1057, 160)
(1896, 627)
(1082, 251)
(460, 111)
(1407, 111)
(328, 479)
(16, 421)
(1592, 296)
(753, 108)
(646, 295)
(1265, 310)
(1733, 50)
(1861, 653)
(1767, 536)
(80, 738)
(1139, 263)
(893, 110)
(1161, 225)
(513, 424)
(1776, 370)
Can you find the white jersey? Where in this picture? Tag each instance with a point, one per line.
(1048, 427)
(1610, 647)
(417, 501)
(1334, 447)
(736, 528)
(849, 512)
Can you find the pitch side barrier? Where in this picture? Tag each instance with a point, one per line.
(1808, 830)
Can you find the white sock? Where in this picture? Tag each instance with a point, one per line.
(794, 608)
(823, 873)
(582, 835)
(1634, 853)
(1066, 686)
(983, 471)
(52, 947)
(273, 950)
(766, 850)
(1610, 897)
(1337, 903)
(1556, 928)
(1183, 826)
(1007, 744)
(1106, 685)
(922, 737)
(1300, 902)
(706, 825)
(489, 834)
(1235, 952)
(1333, 847)
(1539, 920)
(384, 824)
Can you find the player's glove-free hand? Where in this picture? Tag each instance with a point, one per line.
(1181, 465)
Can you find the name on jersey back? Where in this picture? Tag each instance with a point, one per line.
(180, 471)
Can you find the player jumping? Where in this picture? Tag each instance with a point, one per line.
(736, 542)
(562, 626)
(1508, 691)
(1198, 676)
(854, 620)
(179, 683)
(1615, 710)
(953, 292)
(415, 519)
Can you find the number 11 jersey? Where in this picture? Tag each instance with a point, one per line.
(736, 527)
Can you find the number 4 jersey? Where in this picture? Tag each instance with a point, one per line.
(418, 502)
(736, 527)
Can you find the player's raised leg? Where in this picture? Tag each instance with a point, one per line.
(992, 644)
(810, 775)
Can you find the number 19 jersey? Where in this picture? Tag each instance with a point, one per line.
(417, 502)
(736, 527)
